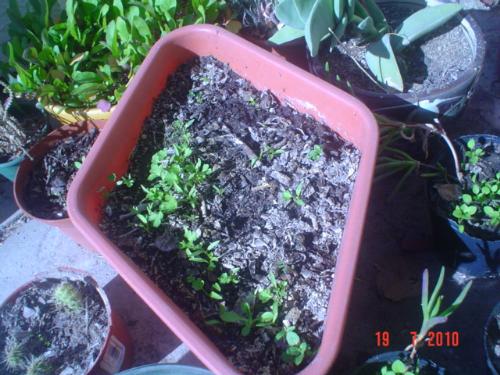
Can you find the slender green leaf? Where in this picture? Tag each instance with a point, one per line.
(450, 310)
(437, 289)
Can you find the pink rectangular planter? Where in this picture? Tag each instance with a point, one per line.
(308, 94)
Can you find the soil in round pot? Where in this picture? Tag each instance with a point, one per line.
(45, 192)
(492, 340)
(55, 325)
(374, 365)
(473, 246)
(258, 244)
(426, 74)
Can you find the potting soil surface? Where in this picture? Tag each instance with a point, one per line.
(259, 151)
(434, 61)
(46, 190)
(67, 341)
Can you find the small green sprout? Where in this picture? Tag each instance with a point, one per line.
(196, 283)
(196, 252)
(296, 348)
(218, 190)
(78, 164)
(473, 154)
(127, 181)
(13, 354)
(315, 153)
(493, 214)
(287, 196)
(38, 366)
(67, 296)
(252, 101)
(230, 277)
(268, 152)
(398, 368)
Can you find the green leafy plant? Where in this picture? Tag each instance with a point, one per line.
(196, 251)
(473, 154)
(296, 348)
(315, 153)
(13, 354)
(398, 367)
(268, 152)
(67, 296)
(78, 164)
(317, 20)
(176, 176)
(288, 196)
(88, 53)
(38, 366)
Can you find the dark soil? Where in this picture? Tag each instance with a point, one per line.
(259, 232)
(433, 61)
(69, 341)
(46, 191)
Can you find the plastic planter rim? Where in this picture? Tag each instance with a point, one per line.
(303, 90)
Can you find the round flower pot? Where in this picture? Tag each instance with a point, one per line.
(165, 370)
(116, 350)
(444, 102)
(374, 364)
(475, 252)
(309, 95)
(24, 173)
(71, 116)
(492, 340)
(9, 169)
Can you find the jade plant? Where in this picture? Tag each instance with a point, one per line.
(336, 20)
(85, 55)
(67, 296)
(433, 314)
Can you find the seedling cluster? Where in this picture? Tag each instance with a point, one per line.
(288, 196)
(479, 198)
(68, 297)
(15, 359)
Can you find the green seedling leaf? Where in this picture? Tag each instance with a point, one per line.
(216, 296)
(382, 62)
(286, 34)
(292, 338)
(286, 195)
(423, 22)
(471, 144)
(450, 310)
(318, 24)
(398, 366)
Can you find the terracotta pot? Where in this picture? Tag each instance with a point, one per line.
(445, 103)
(308, 94)
(37, 152)
(116, 353)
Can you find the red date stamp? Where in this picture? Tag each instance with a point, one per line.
(436, 339)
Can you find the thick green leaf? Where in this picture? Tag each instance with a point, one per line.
(367, 28)
(350, 9)
(424, 21)
(287, 12)
(292, 338)
(166, 7)
(374, 11)
(338, 9)
(111, 38)
(122, 29)
(142, 28)
(382, 63)
(286, 34)
(318, 25)
(87, 89)
(70, 21)
(304, 8)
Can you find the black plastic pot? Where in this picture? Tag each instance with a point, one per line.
(444, 103)
(373, 365)
(476, 251)
(491, 339)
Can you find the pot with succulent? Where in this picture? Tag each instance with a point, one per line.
(78, 63)
(464, 191)
(202, 194)
(407, 362)
(391, 59)
(492, 340)
(16, 136)
(39, 321)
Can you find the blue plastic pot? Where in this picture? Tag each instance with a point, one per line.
(475, 252)
(9, 169)
(166, 370)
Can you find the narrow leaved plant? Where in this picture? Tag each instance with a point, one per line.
(317, 20)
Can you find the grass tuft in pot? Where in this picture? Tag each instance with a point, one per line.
(13, 354)
(68, 297)
(37, 366)
(331, 21)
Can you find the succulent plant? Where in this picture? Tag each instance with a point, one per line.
(37, 366)
(13, 355)
(317, 20)
(67, 296)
